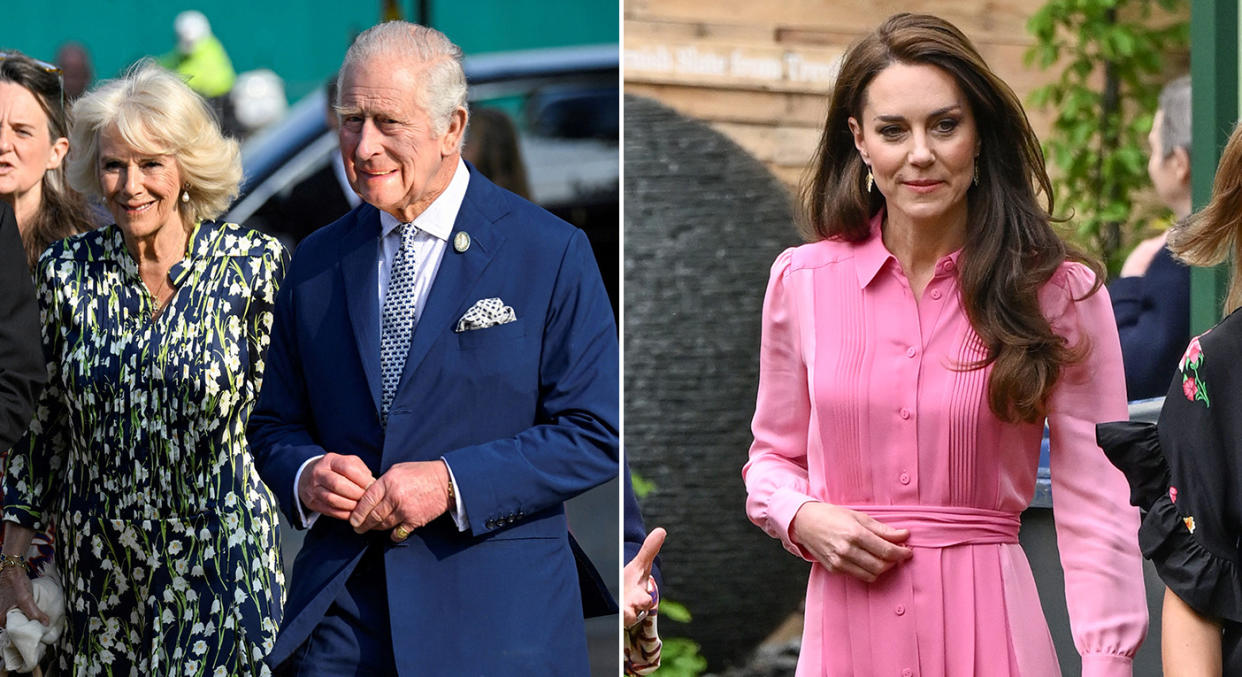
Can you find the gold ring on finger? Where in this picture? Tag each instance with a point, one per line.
(401, 533)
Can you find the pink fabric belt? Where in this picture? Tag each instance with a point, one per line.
(934, 526)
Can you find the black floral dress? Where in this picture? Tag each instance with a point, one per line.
(1186, 472)
(168, 538)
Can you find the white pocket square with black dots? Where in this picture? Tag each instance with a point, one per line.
(485, 313)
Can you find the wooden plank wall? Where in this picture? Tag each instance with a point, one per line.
(760, 72)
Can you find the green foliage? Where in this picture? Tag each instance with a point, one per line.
(1098, 141)
(674, 611)
(680, 658)
(642, 486)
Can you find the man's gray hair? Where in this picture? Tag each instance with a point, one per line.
(443, 81)
(1175, 128)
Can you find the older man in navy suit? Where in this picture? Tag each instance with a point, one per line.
(442, 377)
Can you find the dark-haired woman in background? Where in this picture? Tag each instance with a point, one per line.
(34, 126)
(910, 355)
(34, 131)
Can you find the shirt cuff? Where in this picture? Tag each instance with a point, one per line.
(1107, 665)
(305, 517)
(783, 506)
(458, 511)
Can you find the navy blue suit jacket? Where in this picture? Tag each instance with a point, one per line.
(525, 413)
(1153, 321)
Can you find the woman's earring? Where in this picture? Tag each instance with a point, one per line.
(185, 194)
(871, 180)
(976, 170)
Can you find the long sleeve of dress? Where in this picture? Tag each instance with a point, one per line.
(260, 313)
(34, 465)
(776, 476)
(1095, 524)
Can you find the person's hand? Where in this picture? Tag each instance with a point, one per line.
(637, 600)
(403, 499)
(1140, 259)
(17, 592)
(331, 485)
(848, 542)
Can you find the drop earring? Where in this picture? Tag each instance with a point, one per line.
(976, 170)
(871, 180)
(185, 195)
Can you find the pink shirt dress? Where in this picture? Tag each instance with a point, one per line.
(860, 405)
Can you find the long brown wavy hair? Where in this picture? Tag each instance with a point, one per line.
(1011, 248)
(1210, 236)
(62, 212)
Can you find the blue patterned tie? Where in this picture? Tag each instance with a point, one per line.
(398, 318)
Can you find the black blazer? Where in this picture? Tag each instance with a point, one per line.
(22, 368)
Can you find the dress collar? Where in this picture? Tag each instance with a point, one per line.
(871, 255)
(199, 245)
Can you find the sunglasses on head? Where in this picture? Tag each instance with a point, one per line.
(47, 68)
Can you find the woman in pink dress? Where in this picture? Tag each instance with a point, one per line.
(910, 356)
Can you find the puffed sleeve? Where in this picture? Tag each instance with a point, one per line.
(267, 278)
(1192, 528)
(776, 474)
(34, 466)
(1095, 525)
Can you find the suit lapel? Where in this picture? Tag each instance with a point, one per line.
(459, 271)
(358, 268)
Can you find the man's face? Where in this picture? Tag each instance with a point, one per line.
(393, 158)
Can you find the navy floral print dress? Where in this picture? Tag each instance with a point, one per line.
(168, 542)
(1186, 473)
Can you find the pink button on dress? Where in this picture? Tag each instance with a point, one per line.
(860, 405)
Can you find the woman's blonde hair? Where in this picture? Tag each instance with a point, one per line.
(1209, 236)
(156, 113)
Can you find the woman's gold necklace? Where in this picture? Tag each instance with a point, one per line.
(158, 305)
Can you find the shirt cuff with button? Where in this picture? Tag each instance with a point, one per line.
(458, 511)
(305, 517)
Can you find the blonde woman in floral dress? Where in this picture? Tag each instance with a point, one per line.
(155, 329)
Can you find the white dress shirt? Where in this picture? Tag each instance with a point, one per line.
(435, 225)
